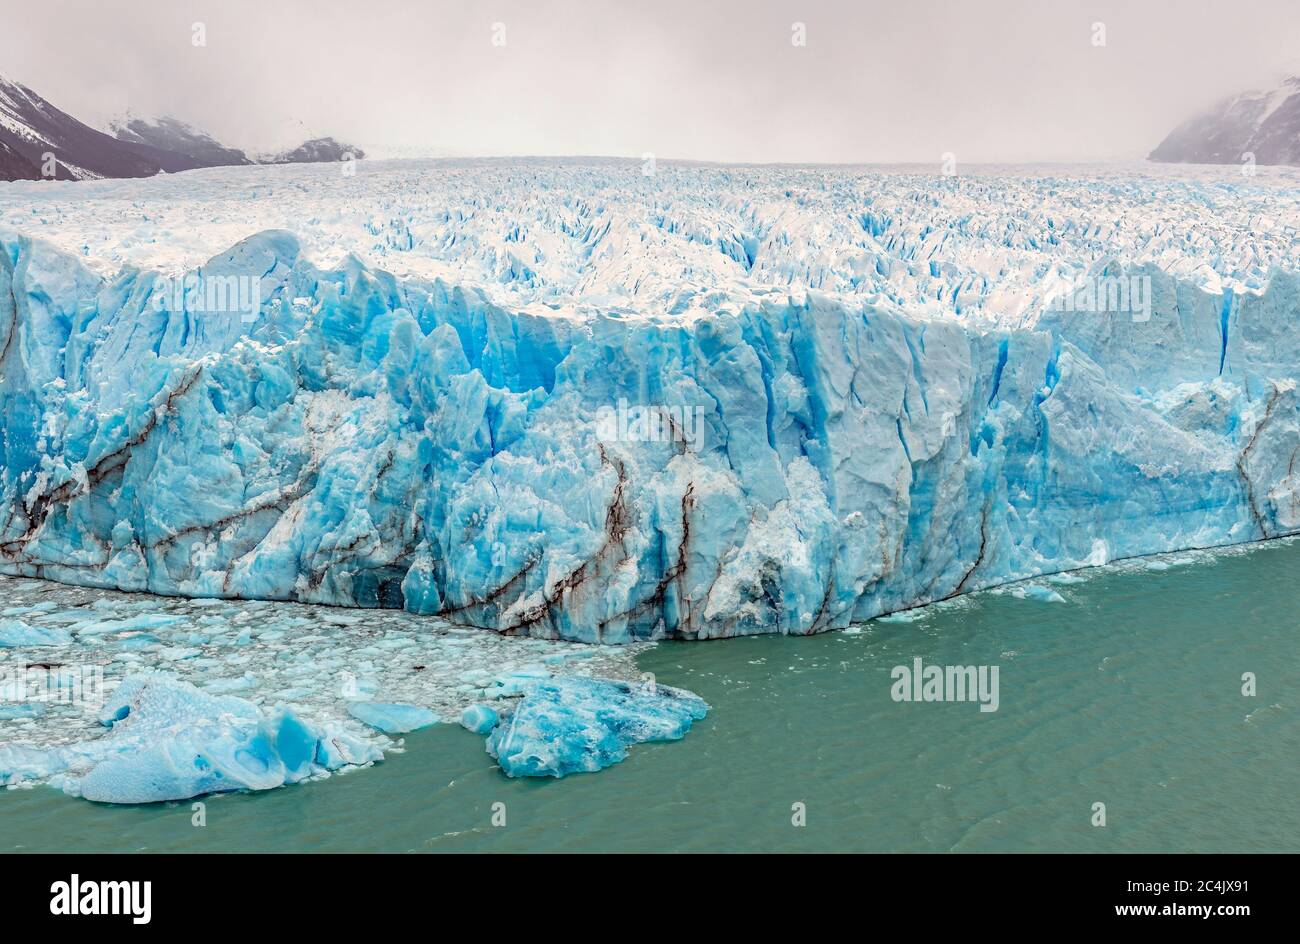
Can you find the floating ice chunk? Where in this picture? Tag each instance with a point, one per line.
(139, 641)
(479, 718)
(528, 672)
(170, 741)
(392, 719)
(24, 610)
(177, 653)
(19, 712)
(1065, 579)
(573, 655)
(513, 684)
(15, 633)
(133, 624)
(19, 763)
(568, 725)
(223, 686)
(905, 616)
(1037, 592)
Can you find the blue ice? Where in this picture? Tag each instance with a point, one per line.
(571, 724)
(392, 718)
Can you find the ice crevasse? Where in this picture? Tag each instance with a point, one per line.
(372, 441)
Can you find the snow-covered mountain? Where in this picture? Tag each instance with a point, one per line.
(315, 151)
(1264, 123)
(191, 147)
(32, 128)
(15, 166)
(566, 399)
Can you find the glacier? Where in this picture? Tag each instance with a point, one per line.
(463, 388)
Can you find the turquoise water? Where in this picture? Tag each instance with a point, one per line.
(1127, 694)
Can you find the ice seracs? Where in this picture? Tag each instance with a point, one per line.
(885, 409)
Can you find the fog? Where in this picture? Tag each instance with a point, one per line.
(1011, 80)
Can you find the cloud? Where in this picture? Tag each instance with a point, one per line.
(1013, 80)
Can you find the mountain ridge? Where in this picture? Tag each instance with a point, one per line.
(1259, 125)
(33, 130)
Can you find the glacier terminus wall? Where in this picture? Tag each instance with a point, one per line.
(727, 403)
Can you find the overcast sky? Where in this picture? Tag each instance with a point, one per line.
(905, 80)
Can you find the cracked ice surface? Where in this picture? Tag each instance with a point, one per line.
(551, 235)
(319, 662)
(418, 414)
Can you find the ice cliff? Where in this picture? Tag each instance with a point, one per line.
(787, 450)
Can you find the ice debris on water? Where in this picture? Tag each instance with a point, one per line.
(1066, 579)
(1037, 592)
(14, 712)
(14, 634)
(571, 725)
(169, 740)
(256, 679)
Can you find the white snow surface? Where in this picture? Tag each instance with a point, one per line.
(573, 237)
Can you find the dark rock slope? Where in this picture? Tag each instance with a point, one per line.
(1265, 124)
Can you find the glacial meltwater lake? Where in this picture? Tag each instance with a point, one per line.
(1128, 693)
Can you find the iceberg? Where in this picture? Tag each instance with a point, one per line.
(170, 740)
(761, 401)
(573, 725)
